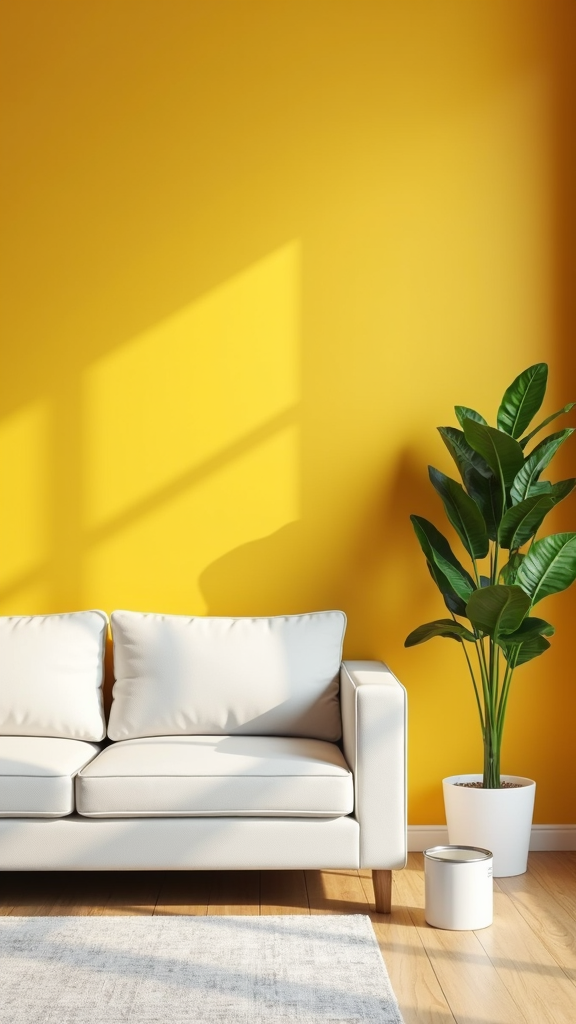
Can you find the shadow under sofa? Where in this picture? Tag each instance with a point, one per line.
(233, 744)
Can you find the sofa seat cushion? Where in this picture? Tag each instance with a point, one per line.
(37, 775)
(216, 775)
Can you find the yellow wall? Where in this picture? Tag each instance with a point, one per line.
(254, 251)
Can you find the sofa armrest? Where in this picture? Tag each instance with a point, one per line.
(374, 716)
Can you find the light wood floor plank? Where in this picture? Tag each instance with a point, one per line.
(336, 892)
(535, 981)
(83, 894)
(27, 894)
(132, 893)
(184, 892)
(235, 892)
(283, 892)
(415, 984)
(557, 873)
(545, 914)
(63, 894)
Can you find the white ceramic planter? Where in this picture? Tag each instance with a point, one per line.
(499, 820)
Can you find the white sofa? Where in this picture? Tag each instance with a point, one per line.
(231, 744)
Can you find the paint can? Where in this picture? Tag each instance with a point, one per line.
(458, 887)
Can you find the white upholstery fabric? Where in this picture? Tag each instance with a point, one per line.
(155, 844)
(51, 673)
(37, 774)
(216, 775)
(275, 676)
(374, 738)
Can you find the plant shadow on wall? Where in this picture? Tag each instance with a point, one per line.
(366, 570)
(245, 581)
(377, 573)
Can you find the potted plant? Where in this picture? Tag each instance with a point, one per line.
(497, 510)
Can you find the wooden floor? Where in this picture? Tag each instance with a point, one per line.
(522, 970)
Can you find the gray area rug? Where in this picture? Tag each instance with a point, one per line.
(254, 970)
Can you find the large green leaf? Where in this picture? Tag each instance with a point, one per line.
(438, 551)
(530, 627)
(457, 577)
(479, 480)
(522, 521)
(557, 491)
(561, 435)
(562, 489)
(528, 641)
(498, 609)
(463, 513)
(463, 454)
(502, 453)
(522, 400)
(453, 603)
(441, 627)
(525, 440)
(487, 493)
(524, 652)
(549, 566)
(508, 572)
(464, 413)
(540, 487)
(536, 462)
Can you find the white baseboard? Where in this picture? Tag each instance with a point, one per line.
(544, 837)
(421, 837)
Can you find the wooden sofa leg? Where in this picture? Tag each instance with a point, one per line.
(382, 881)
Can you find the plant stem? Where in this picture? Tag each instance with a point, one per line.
(473, 678)
(494, 573)
(493, 700)
(492, 748)
(483, 655)
(485, 692)
(504, 695)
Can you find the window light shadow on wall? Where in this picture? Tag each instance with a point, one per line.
(24, 496)
(189, 442)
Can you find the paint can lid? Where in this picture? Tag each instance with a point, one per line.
(458, 854)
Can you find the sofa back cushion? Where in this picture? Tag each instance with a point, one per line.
(177, 675)
(51, 674)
